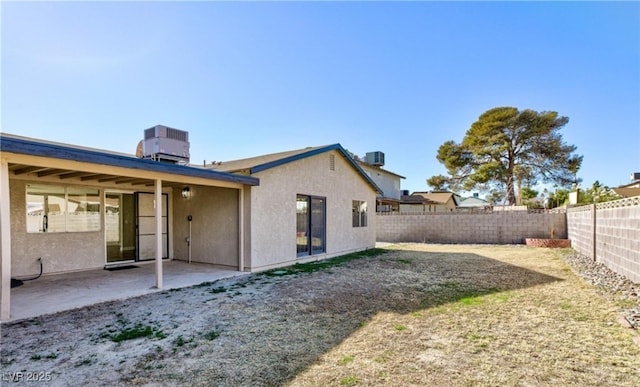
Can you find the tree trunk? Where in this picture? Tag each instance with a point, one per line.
(511, 192)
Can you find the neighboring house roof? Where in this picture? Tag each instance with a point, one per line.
(416, 199)
(260, 163)
(472, 202)
(386, 199)
(633, 184)
(35, 147)
(441, 197)
(628, 190)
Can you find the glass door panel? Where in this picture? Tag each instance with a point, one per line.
(147, 226)
(317, 225)
(302, 225)
(120, 227)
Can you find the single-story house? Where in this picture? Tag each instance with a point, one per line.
(66, 208)
(416, 204)
(433, 201)
(311, 204)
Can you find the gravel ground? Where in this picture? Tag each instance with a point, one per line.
(410, 314)
(610, 283)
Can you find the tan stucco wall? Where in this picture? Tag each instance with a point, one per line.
(273, 210)
(388, 183)
(214, 225)
(60, 252)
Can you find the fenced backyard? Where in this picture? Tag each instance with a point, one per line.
(405, 315)
(607, 232)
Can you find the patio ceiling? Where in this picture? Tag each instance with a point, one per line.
(47, 161)
(70, 175)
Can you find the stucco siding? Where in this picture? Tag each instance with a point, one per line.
(273, 209)
(60, 252)
(388, 183)
(214, 225)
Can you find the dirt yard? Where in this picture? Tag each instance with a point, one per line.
(409, 315)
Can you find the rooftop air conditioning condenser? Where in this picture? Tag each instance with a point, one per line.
(162, 143)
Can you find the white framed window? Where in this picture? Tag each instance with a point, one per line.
(55, 208)
(359, 213)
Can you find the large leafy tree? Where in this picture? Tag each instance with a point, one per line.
(597, 193)
(556, 197)
(506, 149)
(528, 196)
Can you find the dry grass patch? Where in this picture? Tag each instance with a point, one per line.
(409, 315)
(555, 332)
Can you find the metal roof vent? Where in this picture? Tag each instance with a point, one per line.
(162, 143)
(375, 158)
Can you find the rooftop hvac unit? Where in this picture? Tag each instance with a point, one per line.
(162, 143)
(375, 158)
(635, 176)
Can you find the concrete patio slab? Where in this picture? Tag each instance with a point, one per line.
(59, 292)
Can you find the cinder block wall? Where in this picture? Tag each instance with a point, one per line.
(494, 228)
(617, 239)
(580, 229)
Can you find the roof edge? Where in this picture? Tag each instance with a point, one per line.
(360, 162)
(35, 147)
(314, 152)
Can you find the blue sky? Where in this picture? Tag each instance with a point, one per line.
(248, 78)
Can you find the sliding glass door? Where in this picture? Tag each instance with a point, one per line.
(130, 226)
(310, 225)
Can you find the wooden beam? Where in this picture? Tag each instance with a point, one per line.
(109, 178)
(92, 177)
(142, 182)
(24, 170)
(127, 180)
(71, 175)
(51, 172)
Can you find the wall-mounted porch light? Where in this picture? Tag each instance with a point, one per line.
(186, 192)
